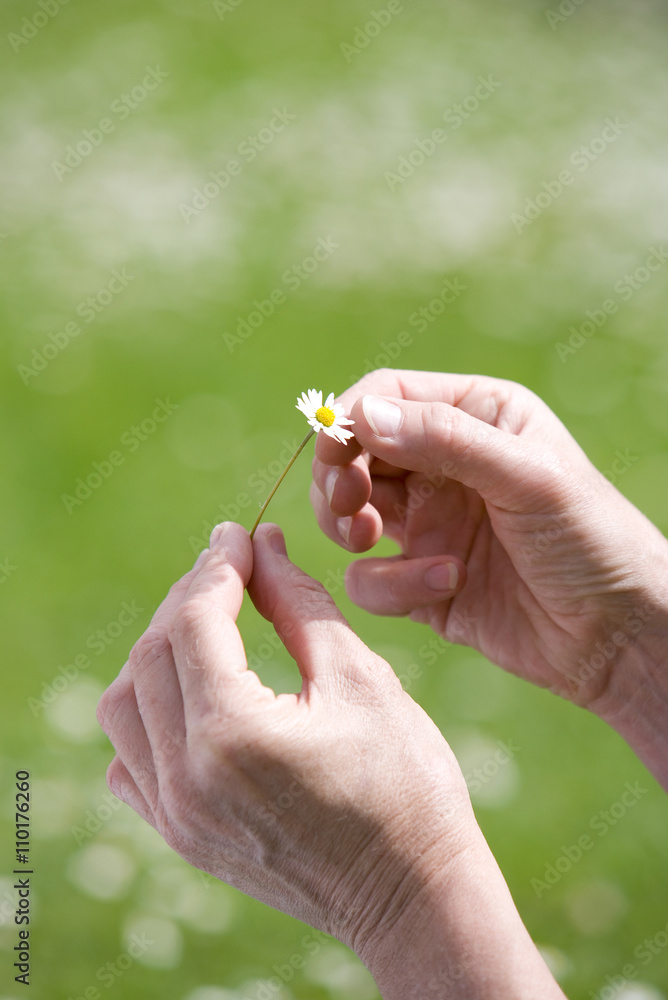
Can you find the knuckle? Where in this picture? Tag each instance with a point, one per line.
(374, 686)
(555, 479)
(174, 794)
(396, 590)
(175, 838)
(110, 706)
(302, 591)
(101, 710)
(114, 778)
(450, 432)
(152, 644)
(188, 618)
(437, 428)
(178, 804)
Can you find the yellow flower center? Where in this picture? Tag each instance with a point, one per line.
(325, 416)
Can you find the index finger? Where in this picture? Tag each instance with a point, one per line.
(208, 651)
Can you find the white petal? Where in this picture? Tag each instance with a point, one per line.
(339, 433)
(330, 400)
(339, 412)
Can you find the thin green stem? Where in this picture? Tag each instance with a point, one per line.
(280, 480)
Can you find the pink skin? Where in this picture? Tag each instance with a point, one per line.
(341, 805)
(551, 557)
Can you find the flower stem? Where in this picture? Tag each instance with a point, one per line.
(280, 480)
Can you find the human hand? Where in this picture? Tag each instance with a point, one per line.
(341, 805)
(557, 573)
(305, 801)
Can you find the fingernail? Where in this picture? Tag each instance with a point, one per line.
(442, 576)
(383, 417)
(343, 526)
(330, 483)
(217, 535)
(277, 543)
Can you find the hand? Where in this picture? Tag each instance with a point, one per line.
(305, 801)
(511, 541)
(341, 805)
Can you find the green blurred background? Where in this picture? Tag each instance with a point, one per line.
(164, 333)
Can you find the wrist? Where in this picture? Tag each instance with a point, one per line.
(460, 936)
(635, 702)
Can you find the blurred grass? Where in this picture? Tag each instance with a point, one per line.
(162, 337)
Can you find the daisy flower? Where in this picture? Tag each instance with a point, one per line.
(328, 417)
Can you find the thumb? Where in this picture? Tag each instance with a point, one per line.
(444, 442)
(305, 617)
